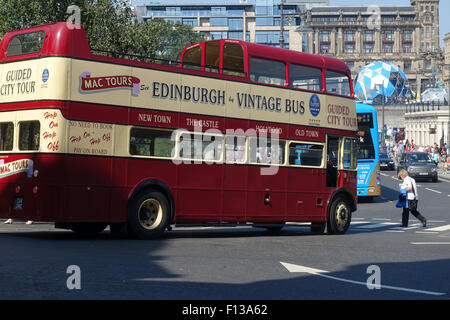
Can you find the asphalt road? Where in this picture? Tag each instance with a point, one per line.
(241, 263)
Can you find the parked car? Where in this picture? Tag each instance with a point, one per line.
(386, 162)
(419, 165)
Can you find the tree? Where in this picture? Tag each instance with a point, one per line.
(109, 25)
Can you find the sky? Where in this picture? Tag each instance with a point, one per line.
(444, 10)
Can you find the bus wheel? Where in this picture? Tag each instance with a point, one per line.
(339, 216)
(148, 215)
(88, 229)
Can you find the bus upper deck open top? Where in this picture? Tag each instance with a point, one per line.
(234, 132)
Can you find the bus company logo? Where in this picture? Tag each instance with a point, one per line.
(45, 75)
(15, 167)
(314, 105)
(90, 84)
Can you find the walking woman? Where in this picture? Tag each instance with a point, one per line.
(413, 198)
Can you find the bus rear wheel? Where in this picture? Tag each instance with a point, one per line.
(339, 216)
(148, 215)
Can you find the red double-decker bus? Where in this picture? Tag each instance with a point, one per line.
(234, 132)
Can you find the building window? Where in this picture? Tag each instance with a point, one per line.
(264, 21)
(349, 48)
(235, 24)
(219, 11)
(368, 47)
(407, 66)
(349, 35)
(190, 22)
(218, 22)
(216, 35)
(173, 11)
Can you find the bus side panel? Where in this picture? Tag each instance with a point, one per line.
(306, 200)
(261, 185)
(86, 196)
(234, 192)
(120, 190)
(199, 196)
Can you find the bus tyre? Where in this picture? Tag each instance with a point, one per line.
(339, 216)
(148, 215)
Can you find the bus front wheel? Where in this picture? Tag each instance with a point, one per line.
(339, 216)
(148, 215)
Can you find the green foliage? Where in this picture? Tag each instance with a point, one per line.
(108, 25)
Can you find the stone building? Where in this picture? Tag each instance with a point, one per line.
(446, 77)
(406, 36)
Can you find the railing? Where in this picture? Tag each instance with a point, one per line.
(131, 56)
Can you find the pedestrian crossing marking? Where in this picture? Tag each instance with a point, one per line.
(441, 228)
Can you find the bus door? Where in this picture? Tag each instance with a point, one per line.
(332, 161)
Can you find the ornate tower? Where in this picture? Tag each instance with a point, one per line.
(428, 14)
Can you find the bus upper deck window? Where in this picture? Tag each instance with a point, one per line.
(304, 77)
(6, 136)
(25, 43)
(212, 56)
(233, 59)
(192, 58)
(338, 83)
(29, 135)
(267, 71)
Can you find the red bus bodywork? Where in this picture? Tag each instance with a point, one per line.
(65, 187)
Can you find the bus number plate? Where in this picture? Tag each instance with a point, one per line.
(18, 204)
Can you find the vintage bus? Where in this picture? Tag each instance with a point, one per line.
(369, 176)
(233, 133)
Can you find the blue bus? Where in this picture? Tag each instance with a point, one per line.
(369, 181)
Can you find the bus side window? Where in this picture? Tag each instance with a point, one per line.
(29, 135)
(350, 150)
(233, 59)
(25, 43)
(265, 151)
(337, 83)
(212, 56)
(235, 149)
(303, 154)
(267, 71)
(304, 77)
(192, 58)
(151, 143)
(6, 136)
(206, 147)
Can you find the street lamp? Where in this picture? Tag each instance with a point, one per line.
(281, 24)
(383, 144)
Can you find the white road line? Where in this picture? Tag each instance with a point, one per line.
(433, 190)
(322, 273)
(430, 243)
(441, 228)
(377, 225)
(382, 219)
(426, 232)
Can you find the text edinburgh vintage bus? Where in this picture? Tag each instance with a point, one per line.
(88, 141)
